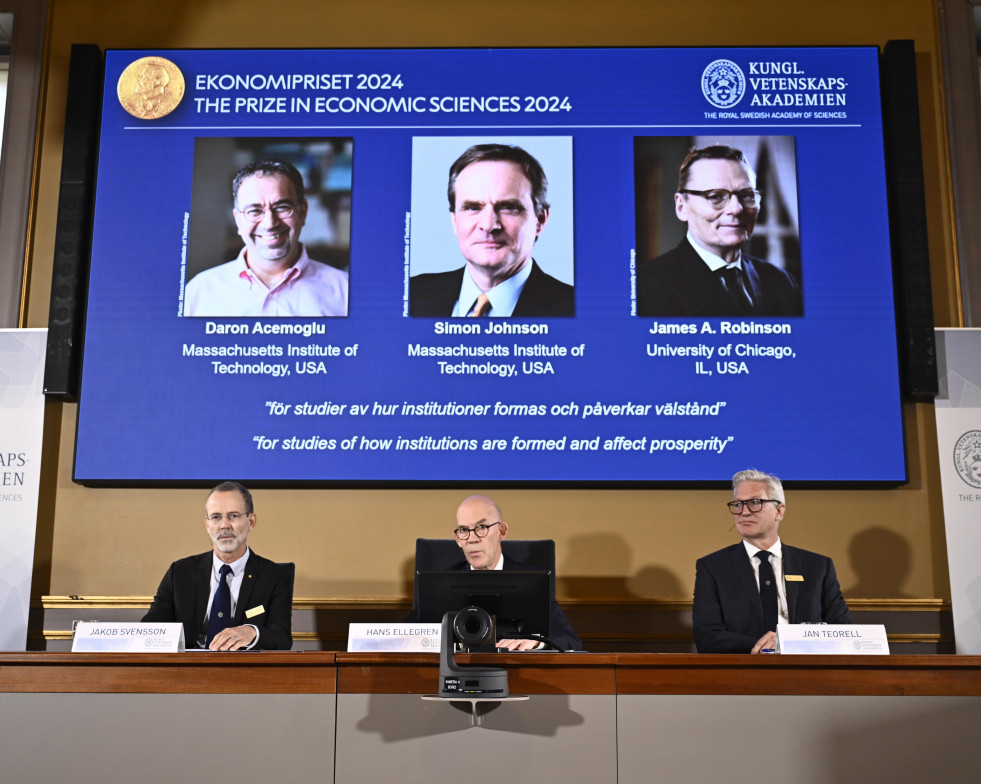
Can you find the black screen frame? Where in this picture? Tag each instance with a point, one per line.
(520, 600)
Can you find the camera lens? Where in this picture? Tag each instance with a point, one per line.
(473, 626)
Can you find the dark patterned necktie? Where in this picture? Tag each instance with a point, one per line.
(768, 591)
(220, 617)
(736, 292)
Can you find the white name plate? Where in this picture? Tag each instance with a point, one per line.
(841, 638)
(401, 637)
(94, 637)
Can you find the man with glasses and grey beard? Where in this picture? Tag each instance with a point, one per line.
(229, 598)
(272, 276)
(743, 591)
(708, 274)
(479, 531)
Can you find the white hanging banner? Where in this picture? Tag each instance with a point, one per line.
(958, 412)
(21, 424)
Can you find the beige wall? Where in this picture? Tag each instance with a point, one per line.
(610, 543)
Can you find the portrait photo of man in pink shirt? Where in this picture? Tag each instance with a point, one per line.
(272, 275)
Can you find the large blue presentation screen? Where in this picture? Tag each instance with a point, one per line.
(642, 328)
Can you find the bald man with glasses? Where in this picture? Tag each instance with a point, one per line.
(229, 598)
(708, 273)
(743, 591)
(478, 533)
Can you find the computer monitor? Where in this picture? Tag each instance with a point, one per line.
(519, 600)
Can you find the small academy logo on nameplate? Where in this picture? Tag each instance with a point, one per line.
(723, 83)
(967, 457)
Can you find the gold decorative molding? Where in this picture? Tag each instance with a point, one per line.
(899, 605)
(52, 634)
(935, 639)
(71, 602)
(388, 603)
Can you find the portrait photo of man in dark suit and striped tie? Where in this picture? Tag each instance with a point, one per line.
(499, 208)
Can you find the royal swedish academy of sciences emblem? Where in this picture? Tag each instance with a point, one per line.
(967, 457)
(723, 83)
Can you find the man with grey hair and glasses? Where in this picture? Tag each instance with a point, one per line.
(708, 273)
(743, 591)
(229, 598)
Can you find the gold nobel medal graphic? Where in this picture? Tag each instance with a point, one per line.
(150, 88)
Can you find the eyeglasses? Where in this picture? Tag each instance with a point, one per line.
(481, 530)
(232, 517)
(283, 209)
(719, 198)
(753, 504)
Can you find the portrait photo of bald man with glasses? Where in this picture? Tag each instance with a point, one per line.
(711, 272)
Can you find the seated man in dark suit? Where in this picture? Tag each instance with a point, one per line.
(479, 533)
(228, 598)
(498, 201)
(708, 274)
(741, 595)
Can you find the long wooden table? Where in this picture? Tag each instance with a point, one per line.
(343, 717)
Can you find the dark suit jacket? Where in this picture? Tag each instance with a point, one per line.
(183, 597)
(560, 630)
(679, 283)
(727, 616)
(436, 293)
